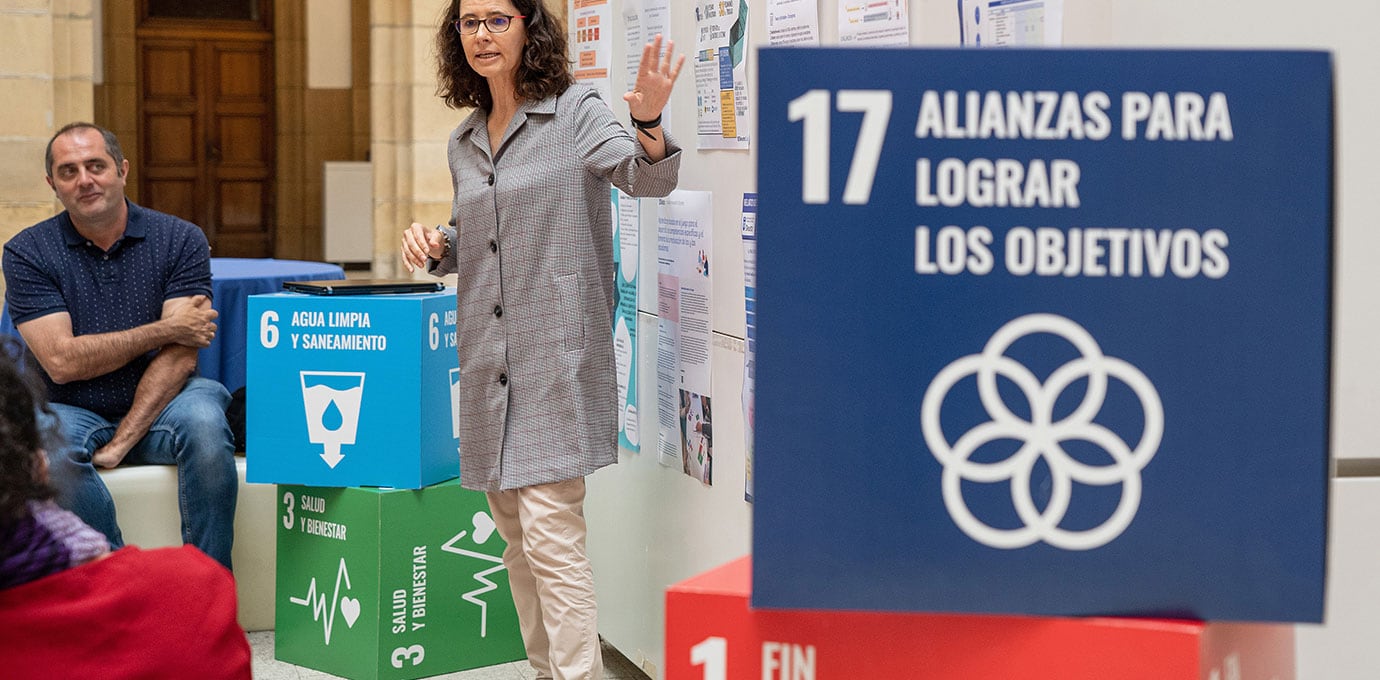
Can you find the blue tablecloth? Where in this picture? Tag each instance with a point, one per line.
(233, 280)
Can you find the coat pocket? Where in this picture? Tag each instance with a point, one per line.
(572, 307)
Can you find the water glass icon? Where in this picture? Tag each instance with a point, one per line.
(332, 400)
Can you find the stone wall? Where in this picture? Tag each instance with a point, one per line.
(45, 81)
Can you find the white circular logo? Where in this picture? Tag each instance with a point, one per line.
(1041, 437)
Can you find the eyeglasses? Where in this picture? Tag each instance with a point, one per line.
(498, 23)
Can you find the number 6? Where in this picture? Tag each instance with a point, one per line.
(268, 333)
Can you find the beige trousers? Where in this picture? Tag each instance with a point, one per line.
(553, 586)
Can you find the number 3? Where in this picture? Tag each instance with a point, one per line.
(287, 503)
(416, 653)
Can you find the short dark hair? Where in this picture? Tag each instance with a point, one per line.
(112, 144)
(22, 439)
(544, 72)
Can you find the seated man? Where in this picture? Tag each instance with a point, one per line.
(113, 302)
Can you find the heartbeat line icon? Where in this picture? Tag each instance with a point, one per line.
(324, 610)
(482, 577)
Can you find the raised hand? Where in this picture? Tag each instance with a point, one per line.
(656, 74)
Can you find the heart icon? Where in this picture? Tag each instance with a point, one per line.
(350, 608)
(483, 526)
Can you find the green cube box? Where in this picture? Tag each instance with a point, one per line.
(398, 584)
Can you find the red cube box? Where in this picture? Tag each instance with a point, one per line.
(711, 634)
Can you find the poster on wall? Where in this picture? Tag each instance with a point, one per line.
(643, 20)
(1072, 322)
(591, 44)
(874, 23)
(627, 218)
(1011, 23)
(793, 22)
(721, 51)
(750, 339)
(684, 227)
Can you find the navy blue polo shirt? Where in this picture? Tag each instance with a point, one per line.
(51, 268)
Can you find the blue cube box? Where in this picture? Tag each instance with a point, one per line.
(352, 391)
(1096, 382)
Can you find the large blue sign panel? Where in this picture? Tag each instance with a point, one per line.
(1044, 332)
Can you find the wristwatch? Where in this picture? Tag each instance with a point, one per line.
(446, 237)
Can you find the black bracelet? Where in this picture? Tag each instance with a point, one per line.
(644, 125)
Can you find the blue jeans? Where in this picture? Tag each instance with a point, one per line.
(191, 433)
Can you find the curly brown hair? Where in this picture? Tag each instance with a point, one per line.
(21, 438)
(544, 72)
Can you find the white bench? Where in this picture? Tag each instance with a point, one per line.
(147, 511)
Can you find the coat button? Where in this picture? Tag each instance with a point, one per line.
(491, 179)
(493, 246)
(498, 311)
(503, 379)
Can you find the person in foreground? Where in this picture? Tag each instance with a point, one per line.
(69, 608)
(113, 301)
(531, 243)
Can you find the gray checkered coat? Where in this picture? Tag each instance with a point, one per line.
(534, 253)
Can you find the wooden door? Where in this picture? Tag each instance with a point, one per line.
(206, 127)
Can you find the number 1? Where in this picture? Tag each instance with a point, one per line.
(712, 653)
(813, 108)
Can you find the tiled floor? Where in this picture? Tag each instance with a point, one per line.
(616, 667)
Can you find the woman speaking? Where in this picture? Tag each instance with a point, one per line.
(530, 240)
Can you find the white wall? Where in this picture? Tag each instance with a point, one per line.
(652, 526)
(1343, 648)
